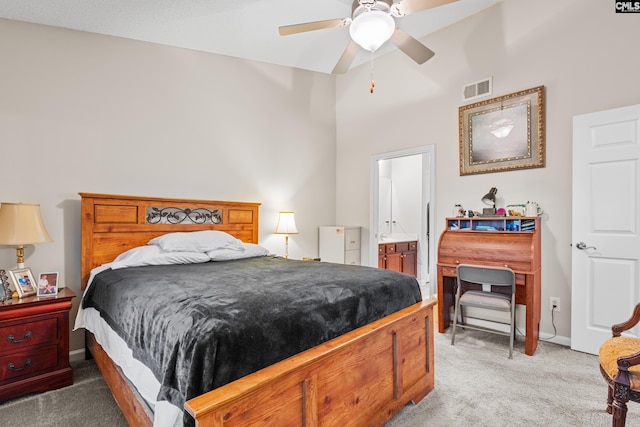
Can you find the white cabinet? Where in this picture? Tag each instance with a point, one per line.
(339, 244)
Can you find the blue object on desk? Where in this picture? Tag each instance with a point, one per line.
(485, 228)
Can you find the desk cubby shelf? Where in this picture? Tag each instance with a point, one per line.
(498, 223)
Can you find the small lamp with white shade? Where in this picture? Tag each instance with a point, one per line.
(286, 225)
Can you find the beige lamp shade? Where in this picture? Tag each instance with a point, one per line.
(21, 224)
(286, 223)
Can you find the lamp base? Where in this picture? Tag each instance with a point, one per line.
(20, 256)
(286, 246)
(488, 211)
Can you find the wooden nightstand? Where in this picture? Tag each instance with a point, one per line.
(34, 344)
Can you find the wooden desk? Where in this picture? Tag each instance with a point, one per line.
(497, 242)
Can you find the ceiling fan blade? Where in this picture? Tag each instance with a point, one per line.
(406, 7)
(286, 30)
(412, 47)
(346, 59)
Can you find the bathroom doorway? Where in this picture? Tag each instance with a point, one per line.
(402, 196)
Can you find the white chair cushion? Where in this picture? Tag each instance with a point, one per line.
(485, 299)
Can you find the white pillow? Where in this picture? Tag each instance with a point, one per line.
(196, 241)
(154, 255)
(249, 250)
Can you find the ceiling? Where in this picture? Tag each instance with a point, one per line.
(238, 28)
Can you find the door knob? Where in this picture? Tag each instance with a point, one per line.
(582, 246)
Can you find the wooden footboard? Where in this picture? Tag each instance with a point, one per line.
(359, 379)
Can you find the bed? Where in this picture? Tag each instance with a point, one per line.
(361, 377)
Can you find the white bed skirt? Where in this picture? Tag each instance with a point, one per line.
(165, 414)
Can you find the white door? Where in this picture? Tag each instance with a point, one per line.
(606, 230)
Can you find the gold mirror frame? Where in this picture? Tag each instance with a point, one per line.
(518, 119)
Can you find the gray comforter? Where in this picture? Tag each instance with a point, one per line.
(200, 326)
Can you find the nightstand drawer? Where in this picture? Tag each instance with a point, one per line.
(22, 335)
(26, 364)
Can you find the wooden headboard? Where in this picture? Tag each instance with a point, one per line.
(112, 224)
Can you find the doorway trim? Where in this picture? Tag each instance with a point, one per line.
(428, 153)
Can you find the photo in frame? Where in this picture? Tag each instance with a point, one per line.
(47, 284)
(503, 134)
(5, 291)
(23, 281)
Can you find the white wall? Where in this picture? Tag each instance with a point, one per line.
(81, 112)
(581, 51)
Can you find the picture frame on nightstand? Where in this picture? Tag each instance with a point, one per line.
(23, 281)
(5, 291)
(47, 284)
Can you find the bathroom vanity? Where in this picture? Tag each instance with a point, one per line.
(399, 253)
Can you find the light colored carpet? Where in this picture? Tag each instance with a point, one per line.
(475, 385)
(87, 403)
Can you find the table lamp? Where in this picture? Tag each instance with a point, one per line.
(21, 224)
(490, 199)
(286, 225)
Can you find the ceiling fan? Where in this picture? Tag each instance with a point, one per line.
(371, 25)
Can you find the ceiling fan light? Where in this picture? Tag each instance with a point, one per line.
(371, 29)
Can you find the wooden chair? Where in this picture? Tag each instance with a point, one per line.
(489, 288)
(620, 367)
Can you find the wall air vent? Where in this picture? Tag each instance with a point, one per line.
(477, 89)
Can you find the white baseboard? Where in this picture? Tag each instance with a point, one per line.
(564, 341)
(542, 336)
(76, 355)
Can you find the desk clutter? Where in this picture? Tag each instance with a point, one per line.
(529, 209)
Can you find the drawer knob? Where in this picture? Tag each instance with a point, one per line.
(13, 339)
(12, 367)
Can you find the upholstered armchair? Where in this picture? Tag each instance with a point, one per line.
(620, 366)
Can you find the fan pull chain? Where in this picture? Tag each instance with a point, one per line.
(373, 83)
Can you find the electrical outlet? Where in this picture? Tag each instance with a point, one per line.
(554, 304)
